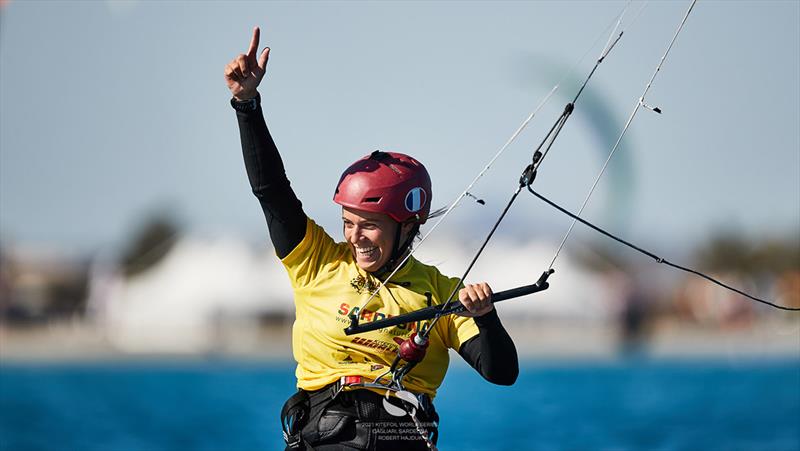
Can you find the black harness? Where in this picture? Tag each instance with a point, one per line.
(358, 419)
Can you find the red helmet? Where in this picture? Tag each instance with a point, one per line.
(389, 183)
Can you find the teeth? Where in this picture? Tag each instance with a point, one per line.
(366, 250)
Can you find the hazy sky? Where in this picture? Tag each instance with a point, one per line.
(111, 110)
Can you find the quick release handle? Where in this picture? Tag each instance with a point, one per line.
(456, 307)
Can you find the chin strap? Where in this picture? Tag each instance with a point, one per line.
(398, 250)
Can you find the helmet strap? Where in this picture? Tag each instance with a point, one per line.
(398, 249)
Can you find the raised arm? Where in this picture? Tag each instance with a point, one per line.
(283, 211)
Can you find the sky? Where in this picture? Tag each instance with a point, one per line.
(114, 111)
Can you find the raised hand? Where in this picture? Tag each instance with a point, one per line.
(244, 73)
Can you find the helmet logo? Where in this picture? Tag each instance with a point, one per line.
(415, 199)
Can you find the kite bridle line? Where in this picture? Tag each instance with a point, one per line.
(611, 42)
(640, 103)
(436, 312)
(576, 216)
(528, 176)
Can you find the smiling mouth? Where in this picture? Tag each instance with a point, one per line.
(367, 252)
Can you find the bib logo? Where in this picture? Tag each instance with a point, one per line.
(397, 411)
(359, 283)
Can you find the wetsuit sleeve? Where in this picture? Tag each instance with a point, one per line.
(283, 211)
(492, 352)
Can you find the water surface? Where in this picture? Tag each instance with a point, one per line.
(225, 405)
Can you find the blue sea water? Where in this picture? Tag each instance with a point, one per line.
(224, 405)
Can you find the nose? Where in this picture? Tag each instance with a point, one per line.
(356, 234)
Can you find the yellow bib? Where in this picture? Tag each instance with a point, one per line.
(329, 286)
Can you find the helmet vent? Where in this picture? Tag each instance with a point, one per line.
(379, 156)
(371, 200)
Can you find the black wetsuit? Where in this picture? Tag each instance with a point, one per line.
(491, 352)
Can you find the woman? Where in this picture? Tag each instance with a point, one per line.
(385, 197)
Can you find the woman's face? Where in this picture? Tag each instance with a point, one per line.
(371, 237)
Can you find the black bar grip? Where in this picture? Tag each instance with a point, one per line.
(455, 307)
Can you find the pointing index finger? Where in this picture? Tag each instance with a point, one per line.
(251, 52)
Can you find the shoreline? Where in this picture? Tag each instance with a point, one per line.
(545, 340)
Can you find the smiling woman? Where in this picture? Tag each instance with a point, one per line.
(371, 236)
(385, 197)
(352, 392)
